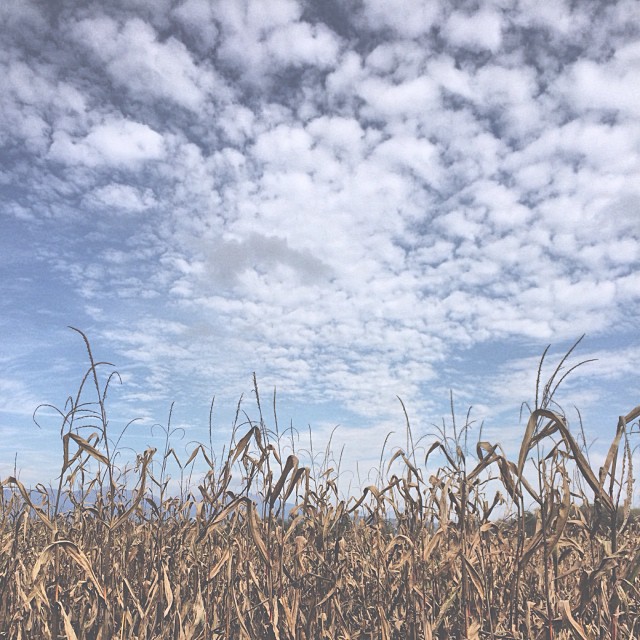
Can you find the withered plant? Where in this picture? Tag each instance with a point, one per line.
(453, 540)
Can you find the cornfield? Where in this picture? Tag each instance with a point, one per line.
(481, 547)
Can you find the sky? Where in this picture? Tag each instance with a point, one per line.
(356, 201)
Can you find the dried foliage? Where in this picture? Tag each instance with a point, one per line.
(455, 552)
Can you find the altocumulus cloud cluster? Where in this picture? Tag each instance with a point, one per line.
(355, 200)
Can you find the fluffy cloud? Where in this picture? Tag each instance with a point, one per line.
(246, 27)
(614, 86)
(389, 100)
(32, 102)
(120, 143)
(303, 44)
(480, 30)
(136, 60)
(121, 198)
(410, 19)
(197, 18)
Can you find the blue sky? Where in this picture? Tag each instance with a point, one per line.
(355, 201)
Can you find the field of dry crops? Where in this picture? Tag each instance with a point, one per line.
(455, 541)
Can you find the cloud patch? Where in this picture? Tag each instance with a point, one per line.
(115, 142)
(479, 30)
(147, 68)
(121, 198)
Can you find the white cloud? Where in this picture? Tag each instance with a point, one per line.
(411, 18)
(504, 211)
(16, 397)
(551, 15)
(399, 60)
(121, 197)
(341, 80)
(443, 70)
(285, 146)
(388, 100)
(148, 68)
(344, 136)
(481, 30)
(410, 154)
(198, 17)
(114, 143)
(613, 86)
(511, 94)
(31, 101)
(246, 27)
(237, 122)
(302, 44)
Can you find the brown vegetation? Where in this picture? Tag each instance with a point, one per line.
(481, 547)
